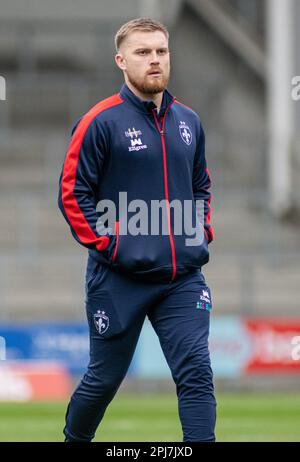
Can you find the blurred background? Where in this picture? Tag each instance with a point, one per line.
(233, 62)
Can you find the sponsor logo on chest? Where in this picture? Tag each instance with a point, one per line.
(136, 143)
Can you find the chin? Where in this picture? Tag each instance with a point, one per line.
(150, 88)
(155, 88)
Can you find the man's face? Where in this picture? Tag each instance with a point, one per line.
(144, 57)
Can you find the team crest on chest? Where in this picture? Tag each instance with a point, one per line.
(185, 133)
(136, 142)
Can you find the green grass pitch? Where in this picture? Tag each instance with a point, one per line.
(241, 417)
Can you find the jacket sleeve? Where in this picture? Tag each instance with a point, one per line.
(202, 183)
(78, 182)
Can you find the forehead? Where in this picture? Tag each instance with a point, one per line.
(141, 39)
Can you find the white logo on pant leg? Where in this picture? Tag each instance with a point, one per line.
(204, 302)
(205, 296)
(101, 321)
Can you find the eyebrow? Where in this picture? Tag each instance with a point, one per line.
(149, 49)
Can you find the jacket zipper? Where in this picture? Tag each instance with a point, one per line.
(164, 151)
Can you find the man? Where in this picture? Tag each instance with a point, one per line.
(146, 145)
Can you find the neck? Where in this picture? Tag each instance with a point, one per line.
(156, 98)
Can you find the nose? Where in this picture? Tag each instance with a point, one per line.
(154, 57)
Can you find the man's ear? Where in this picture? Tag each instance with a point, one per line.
(120, 61)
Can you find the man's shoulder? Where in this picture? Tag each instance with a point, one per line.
(100, 112)
(186, 110)
(103, 106)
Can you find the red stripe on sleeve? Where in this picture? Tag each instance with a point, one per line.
(75, 216)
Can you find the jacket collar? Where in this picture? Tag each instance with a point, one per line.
(146, 106)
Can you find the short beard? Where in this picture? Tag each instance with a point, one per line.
(149, 89)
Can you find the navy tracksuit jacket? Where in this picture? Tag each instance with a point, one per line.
(169, 163)
(122, 144)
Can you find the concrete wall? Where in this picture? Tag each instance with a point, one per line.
(92, 10)
(228, 97)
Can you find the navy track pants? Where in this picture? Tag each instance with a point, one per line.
(116, 306)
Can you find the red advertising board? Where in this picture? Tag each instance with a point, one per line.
(36, 381)
(275, 345)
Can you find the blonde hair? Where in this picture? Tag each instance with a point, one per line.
(140, 24)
